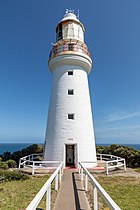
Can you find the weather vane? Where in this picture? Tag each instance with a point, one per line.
(69, 11)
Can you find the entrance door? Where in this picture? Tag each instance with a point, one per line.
(70, 159)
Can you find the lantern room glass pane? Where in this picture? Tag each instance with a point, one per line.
(59, 34)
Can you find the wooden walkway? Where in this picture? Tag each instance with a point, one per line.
(71, 195)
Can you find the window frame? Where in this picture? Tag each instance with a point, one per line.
(70, 72)
(70, 92)
(71, 116)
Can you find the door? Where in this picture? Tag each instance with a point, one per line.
(70, 153)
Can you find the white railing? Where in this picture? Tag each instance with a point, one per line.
(111, 161)
(96, 188)
(30, 162)
(107, 161)
(25, 160)
(47, 189)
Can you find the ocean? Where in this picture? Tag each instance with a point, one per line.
(12, 147)
(15, 147)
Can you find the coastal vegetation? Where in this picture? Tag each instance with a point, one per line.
(35, 148)
(8, 164)
(132, 156)
(6, 176)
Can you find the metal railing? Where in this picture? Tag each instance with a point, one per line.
(96, 188)
(69, 46)
(47, 189)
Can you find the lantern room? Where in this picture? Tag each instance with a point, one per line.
(70, 28)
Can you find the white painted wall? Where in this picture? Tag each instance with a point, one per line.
(59, 128)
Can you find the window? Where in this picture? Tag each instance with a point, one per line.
(70, 92)
(70, 72)
(70, 116)
(59, 34)
(71, 47)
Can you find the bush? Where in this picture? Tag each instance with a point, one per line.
(6, 156)
(11, 163)
(35, 148)
(132, 156)
(11, 175)
(3, 165)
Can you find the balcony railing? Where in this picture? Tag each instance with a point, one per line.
(69, 47)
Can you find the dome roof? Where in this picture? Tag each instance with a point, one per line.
(70, 16)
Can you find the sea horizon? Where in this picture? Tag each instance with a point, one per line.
(13, 147)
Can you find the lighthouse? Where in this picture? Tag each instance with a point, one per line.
(70, 132)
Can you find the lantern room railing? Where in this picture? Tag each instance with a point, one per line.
(66, 47)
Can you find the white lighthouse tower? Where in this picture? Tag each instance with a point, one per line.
(70, 132)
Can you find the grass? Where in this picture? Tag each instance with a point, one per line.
(16, 195)
(125, 191)
(137, 170)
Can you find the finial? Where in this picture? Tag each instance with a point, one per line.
(69, 11)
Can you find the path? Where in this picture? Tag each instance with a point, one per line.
(71, 195)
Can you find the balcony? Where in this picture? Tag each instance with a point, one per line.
(66, 47)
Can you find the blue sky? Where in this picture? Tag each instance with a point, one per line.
(112, 34)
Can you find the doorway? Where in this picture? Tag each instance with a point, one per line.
(70, 155)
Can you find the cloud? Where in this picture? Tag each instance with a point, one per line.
(120, 115)
(130, 128)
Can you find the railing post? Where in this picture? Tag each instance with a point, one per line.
(106, 168)
(19, 163)
(79, 169)
(62, 168)
(81, 174)
(86, 182)
(48, 199)
(124, 165)
(56, 182)
(101, 157)
(23, 163)
(95, 199)
(33, 170)
(60, 175)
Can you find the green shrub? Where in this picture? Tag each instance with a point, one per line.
(3, 165)
(6, 156)
(12, 175)
(35, 148)
(11, 163)
(132, 156)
